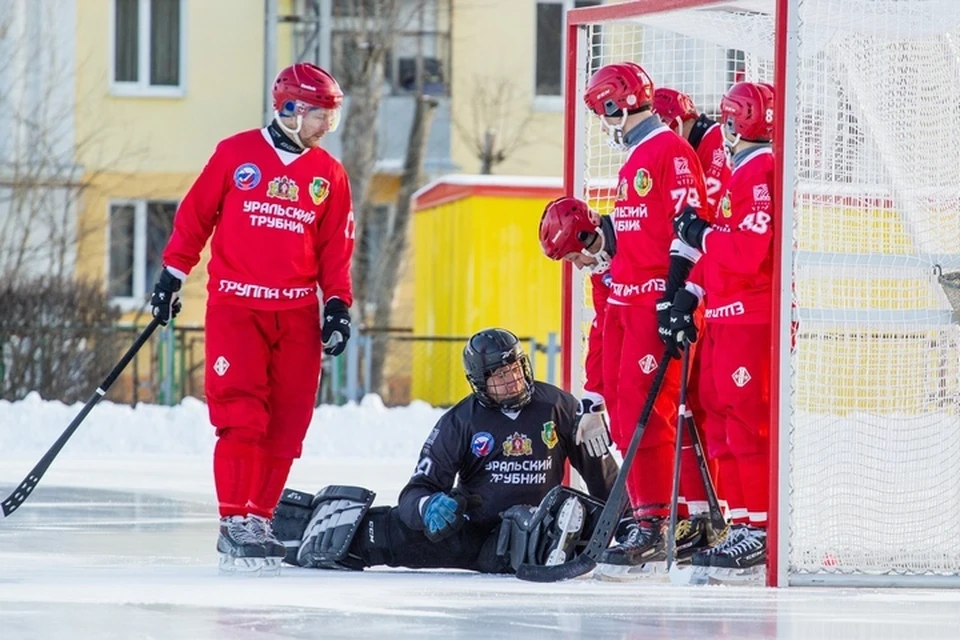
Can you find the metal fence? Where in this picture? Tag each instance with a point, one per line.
(397, 364)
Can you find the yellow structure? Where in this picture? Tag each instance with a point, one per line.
(477, 263)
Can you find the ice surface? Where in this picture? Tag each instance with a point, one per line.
(118, 542)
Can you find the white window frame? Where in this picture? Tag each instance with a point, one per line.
(142, 87)
(137, 300)
(550, 103)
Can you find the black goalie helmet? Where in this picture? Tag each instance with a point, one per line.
(487, 351)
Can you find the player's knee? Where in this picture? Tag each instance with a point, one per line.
(245, 413)
(747, 438)
(240, 435)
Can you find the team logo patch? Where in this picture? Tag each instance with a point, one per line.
(648, 364)
(319, 190)
(517, 445)
(681, 166)
(549, 435)
(221, 366)
(642, 182)
(725, 210)
(247, 176)
(761, 193)
(284, 189)
(622, 189)
(741, 377)
(482, 444)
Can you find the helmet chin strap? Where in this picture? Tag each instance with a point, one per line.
(615, 133)
(601, 256)
(293, 133)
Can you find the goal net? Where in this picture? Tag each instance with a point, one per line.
(867, 433)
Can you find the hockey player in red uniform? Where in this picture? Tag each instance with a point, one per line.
(678, 112)
(570, 230)
(660, 178)
(279, 211)
(734, 281)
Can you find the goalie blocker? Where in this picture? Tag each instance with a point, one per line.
(339, 529)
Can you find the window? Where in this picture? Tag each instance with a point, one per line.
(550, 36)
(148, 53)
(138, 233)
(422, 29)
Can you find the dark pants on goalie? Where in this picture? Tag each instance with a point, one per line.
(338, 529)
(384, 540)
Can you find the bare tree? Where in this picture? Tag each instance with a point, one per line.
(381, 240)
(41, 184)
(499, 121)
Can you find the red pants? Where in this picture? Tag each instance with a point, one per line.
(631, 353)
(734, 368)
(261, 379)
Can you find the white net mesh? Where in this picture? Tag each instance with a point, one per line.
(874, 434)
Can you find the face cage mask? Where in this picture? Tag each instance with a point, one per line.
(602, 257)
(512, 403)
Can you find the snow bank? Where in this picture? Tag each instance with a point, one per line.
(366, 429)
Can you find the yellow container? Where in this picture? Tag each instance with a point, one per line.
(477, 264)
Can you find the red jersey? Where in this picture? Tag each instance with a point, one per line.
(599, 291)
(736, 270)
(282, 224)
(661, 176)
(716, 166)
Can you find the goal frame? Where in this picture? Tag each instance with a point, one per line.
(785, 74)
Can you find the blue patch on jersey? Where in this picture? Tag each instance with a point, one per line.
(482, 444)
(247, 176)
(607, 279)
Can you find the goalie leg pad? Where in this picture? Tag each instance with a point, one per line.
(290, 520)
(337, 514)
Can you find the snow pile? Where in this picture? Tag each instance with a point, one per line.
(357, 430)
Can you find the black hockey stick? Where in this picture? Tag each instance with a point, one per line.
(678, 447)
(612, 510)
(22, 492)
(717, 519)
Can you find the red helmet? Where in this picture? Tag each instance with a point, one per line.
(303, 86)
(747, 110)
(565, 227)
(619, 87)
(673, 107)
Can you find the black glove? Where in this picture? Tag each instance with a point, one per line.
(336, 327)
(165, 299)
(664, 328)
(690, 228)
(682, 326)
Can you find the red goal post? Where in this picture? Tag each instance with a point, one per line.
(865, 425)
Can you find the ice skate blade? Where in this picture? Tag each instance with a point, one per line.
(648, 571)
(234, 566)
(271, 567)
(688, 574)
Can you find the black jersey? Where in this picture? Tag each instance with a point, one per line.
(504, 459)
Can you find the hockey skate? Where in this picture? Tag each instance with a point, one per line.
(274, 551)
(640, 556)
(692, 536)
(743, 560)
(240, 550)
(566, 529)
